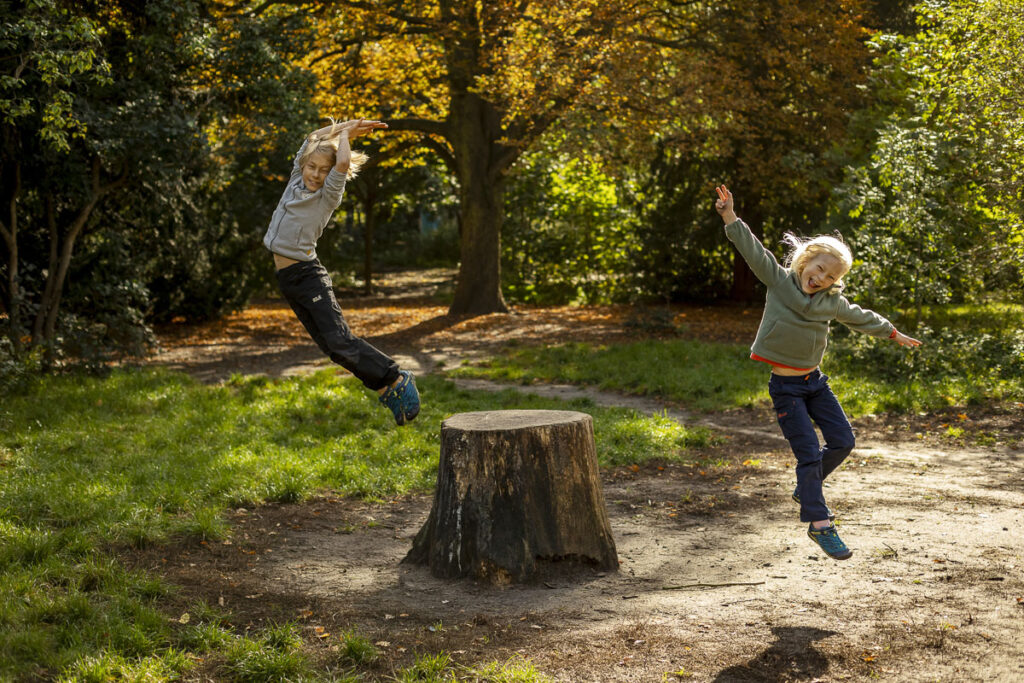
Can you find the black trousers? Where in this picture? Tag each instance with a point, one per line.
(307, 288)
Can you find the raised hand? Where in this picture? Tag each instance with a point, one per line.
(724, 204)
(356, 127)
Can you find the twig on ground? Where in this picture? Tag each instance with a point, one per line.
(735, 602)
(712, 585)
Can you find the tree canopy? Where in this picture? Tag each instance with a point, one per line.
(144, 146)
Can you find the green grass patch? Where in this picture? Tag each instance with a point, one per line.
(702, 375)
(952, 368)
(91, 465)
(439, 668)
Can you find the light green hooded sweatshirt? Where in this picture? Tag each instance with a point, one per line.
(794, 327)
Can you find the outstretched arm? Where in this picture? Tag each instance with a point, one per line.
(345, 132)
(764, 264)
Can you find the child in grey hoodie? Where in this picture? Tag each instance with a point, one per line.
(322, 166)
(801, 301)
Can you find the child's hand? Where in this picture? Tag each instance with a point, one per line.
(904, 340)
(724, 204)
(359, 126)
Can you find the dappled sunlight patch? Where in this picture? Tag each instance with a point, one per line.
(632, 437)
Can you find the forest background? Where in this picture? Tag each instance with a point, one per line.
(556, 156)
(557, 153)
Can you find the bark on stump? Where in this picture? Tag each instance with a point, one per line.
(517, 490)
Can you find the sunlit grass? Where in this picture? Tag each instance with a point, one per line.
(868, 375)
(704, 376)
(140, 458)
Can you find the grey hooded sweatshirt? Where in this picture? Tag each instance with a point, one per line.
(301, 215)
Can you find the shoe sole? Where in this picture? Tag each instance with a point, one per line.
(848, 555)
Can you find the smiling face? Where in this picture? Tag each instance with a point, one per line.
(315, 170)
(820, 272)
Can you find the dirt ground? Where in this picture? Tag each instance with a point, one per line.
(718, 580)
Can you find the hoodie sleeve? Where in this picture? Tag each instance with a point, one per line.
(334, 187)
(764, 264)
(296, 168)
(863, 319)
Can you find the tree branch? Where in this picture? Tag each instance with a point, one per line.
(344, 45)
(428, 126)
(446, 155)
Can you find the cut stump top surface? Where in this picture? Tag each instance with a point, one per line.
(504, 420)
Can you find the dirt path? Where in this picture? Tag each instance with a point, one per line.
(718, 581)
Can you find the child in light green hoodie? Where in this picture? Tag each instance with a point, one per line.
(803, 298)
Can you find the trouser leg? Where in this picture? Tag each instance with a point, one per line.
(795, 421)
(828, 414)
(311, 295)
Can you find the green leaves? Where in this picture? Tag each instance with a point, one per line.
(46, 52)
(936, 205)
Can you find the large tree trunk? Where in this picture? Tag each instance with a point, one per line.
(518, 494)
(480, 163)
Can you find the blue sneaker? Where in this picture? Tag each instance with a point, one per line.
(831, 515)
(403, 400)
(829, 541)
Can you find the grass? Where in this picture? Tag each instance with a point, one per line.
(705, 376)
(439, 668)
(88, 466)
(969, 361)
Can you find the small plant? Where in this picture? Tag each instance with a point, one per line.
(427, 669)
(275, 656)
(357, 649)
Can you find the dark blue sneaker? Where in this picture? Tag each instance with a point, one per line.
(829, 541)
(831, 515)
(403, 400)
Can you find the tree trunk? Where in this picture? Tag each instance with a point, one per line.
(370, 218)
(517, 492)
(49, 305)
(10, 237)
(743, 279)
(480, 163)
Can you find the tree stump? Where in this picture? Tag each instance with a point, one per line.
(517, 491)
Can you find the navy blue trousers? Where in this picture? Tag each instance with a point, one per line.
(308, 289)
(800, 403)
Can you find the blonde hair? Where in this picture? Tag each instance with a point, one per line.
(328, 145)
(803, 249)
